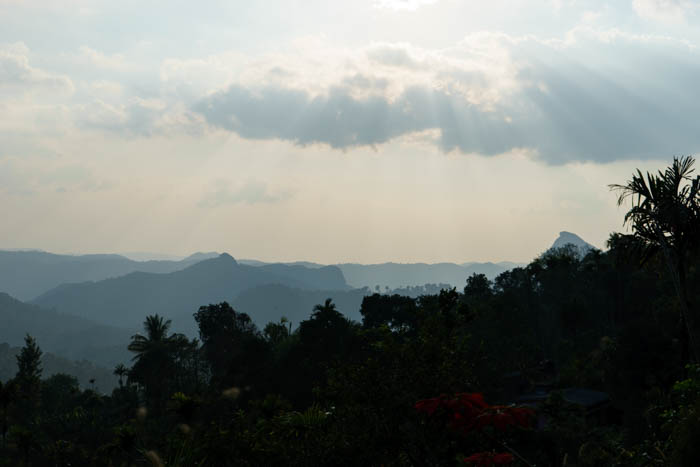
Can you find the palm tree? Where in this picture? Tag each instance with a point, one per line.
(121, 371)
(327, 308)
(153, 358)
(665, 216)
(156, 333)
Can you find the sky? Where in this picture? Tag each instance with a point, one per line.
(335, 131)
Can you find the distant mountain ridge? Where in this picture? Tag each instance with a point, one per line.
(398, 275)
(68, 336)
(127, 300)
(26, 274)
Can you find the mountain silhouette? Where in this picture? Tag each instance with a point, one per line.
(568, 238)
(71, 337)
(399, 275)
(125, 301)
(27, 274)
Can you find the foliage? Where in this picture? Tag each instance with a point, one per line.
(342, 393)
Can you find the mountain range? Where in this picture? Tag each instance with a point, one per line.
(87, 307)
(26, 274)
(125, 301)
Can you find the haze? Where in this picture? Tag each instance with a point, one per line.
(363, 131)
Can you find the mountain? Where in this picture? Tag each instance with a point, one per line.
(398, 275)
(270, 302)
(401, 275)
(568, 238)
(126, 301)
(26, 274)
(316, 278)
(67, 336)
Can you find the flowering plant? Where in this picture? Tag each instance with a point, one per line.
(467, 412)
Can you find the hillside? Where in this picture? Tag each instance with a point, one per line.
(65, 335)
(125, 301)
(400, 275)
(26, 274)
(397, 275)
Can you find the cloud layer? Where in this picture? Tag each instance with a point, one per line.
(594, 96)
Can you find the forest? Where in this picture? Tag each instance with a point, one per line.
(579, 358)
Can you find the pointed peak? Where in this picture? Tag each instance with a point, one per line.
(566, 238)
(227, 257)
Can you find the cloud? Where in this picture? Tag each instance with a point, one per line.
(251, 192)
(410, 5)
(17, 74)
(135, 116)
(666, 11)
(593, 96)
(22, 176)
(115, 62)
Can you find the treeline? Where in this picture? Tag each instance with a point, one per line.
(425, 381)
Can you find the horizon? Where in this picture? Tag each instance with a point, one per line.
(141, 256)
(280, 133)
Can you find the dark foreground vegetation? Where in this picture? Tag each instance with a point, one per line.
(587, 360)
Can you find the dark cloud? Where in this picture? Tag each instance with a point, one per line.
(564, 109)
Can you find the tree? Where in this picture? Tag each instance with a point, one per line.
(8, 394)
(154, 357)
(28, 376)
(232, 345)
(665, 216)
(395, 311)
(58, 393)
(277, 332)
(478, 287)
(326, 336)
(121, 371)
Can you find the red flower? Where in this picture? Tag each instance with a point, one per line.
(467, 411)
(482, 459)
(429, 406)
(502, 417)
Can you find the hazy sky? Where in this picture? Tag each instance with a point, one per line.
(333, 131)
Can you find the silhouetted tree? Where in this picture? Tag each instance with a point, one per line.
(478, 287)
(277, 332)
(58, 393)
(232, 345)
(153, 362)
(323, 338)
(28, 378)
(395, 311)
(665, 216)
(121, 371)
(8, 394)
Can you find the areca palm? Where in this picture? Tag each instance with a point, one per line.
(665, 216)
(121, 371)
(153, 357)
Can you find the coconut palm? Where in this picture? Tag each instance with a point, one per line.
(665, 216)
(154, 355)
